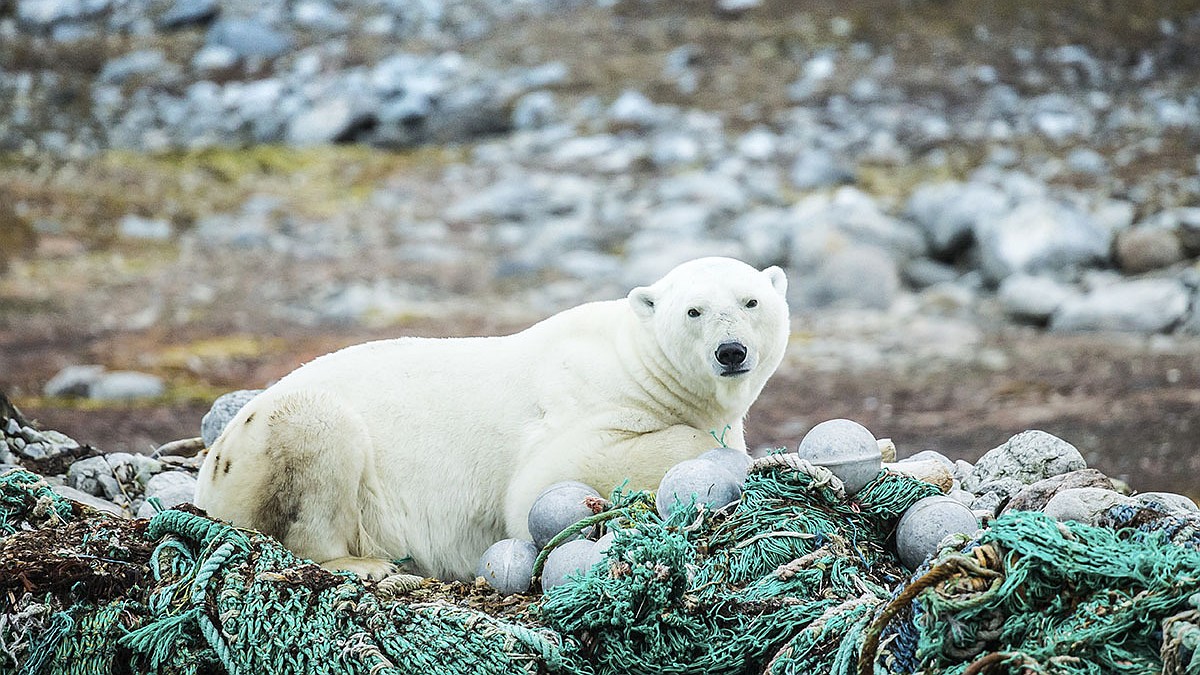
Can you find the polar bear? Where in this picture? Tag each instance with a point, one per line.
(432, 449)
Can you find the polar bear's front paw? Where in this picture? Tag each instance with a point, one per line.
(368, 568)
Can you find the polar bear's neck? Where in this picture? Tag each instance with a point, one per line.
(705, 402)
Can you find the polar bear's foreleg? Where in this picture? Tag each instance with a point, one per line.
(298, 468)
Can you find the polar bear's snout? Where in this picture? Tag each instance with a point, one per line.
(732, 357)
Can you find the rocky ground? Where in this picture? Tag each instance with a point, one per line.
(990, 218)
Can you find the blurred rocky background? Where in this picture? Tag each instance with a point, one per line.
(990, 214)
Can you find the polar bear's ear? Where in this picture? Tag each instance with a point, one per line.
(641, 299)
(778, 279)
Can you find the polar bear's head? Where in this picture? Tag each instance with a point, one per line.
(718, 318)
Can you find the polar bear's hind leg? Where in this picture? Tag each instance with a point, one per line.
(299, 464)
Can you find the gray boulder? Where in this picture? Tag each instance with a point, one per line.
(1140, 305)
(328, 120)
(948, 213)
(1040, 236)
(863, 277)
(823, 224)
(1033, 297)
(1026, 458)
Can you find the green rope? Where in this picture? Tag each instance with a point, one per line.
(795, 578)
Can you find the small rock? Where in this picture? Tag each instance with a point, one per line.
(45, 13)
(1170, 500)
(184, 13)
(926, 455)
(87, 499)
(535, 110)
(815, 169)
(1085, 504)
(1141, 249)
(1034, 497)
(136, 64)
(1140, 306)
(136, 227)
(1026, 458)
(223, 409)
(172, 488)
(249, 38)
(1033, 297)
(993, 494)
(213, 58)
(633, 110)
(93, 476)
(327, 121)
(126, 385)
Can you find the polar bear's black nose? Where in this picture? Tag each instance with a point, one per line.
(731, 354)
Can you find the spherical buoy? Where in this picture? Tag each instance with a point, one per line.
(926, 523)
(710, 483)
(507, 565)
(572, 557)
(558, 507)
(846, 448)
(735, 461)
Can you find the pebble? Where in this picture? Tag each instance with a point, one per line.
(125, 385)
(249, 38)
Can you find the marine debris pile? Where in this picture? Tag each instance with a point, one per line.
(798, 575)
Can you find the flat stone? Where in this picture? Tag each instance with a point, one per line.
(126, 385)
(184, 13)
(1084, 504)
(1034, 496)
(88, 500)
(1139, 306)
(1033, 297)
(73, 381)
(172, 488)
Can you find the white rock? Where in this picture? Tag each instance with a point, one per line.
(1084, 504)
(172, 488)
(1026, 457)
(1033, 297)
(125, 385)
(1140, 305)
(1040, 236)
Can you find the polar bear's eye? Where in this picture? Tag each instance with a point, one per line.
(751, 303)
(693, 312)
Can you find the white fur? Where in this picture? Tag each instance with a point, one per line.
(433, 449)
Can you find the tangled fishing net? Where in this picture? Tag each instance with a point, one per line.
(795, 578)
